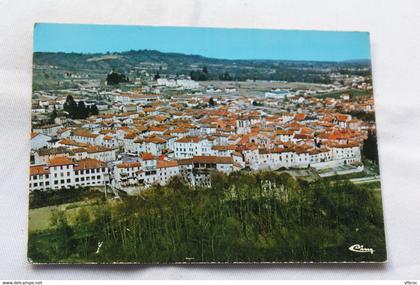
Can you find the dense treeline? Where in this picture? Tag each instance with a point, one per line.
(79, 110)
(237, 74)
(365, 116)
(115, 78)
(370, 147)
(244, 217)
(44, 198)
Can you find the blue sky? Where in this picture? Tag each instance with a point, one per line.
(210, 42)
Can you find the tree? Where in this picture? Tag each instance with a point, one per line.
(205, 70)
(82, 220)
(94, 110)
(157, 76)
(198, 75)
(70, 106)
(211, 102)
(243, 216)
(79, 110)
(53, 115)
(115, 78)
(370, 147)
(225, 76)
(82, 112)
(64, 242)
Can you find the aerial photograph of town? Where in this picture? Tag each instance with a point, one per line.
(202, 145)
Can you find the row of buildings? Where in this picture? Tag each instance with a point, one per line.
(149, 138)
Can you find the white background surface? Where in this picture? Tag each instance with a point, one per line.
(395, 38)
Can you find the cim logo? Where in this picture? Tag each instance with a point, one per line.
(361, 249)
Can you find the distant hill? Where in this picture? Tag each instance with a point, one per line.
(360, 61)
(154, 61)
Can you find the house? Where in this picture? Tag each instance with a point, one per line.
(63, 172)
(84, 136)
(243, 125)
(91, 172)
(154, 145)
(342, 120)
(43, 156)
(192, 146)
(126, 173)
(110, 141)
(204, 166)
(148, 173)
(48, 130)
(165, 170)
(348, 153)
(222, 150)
(101, 153)
(70, 144)
(148, 160)
(64, 133)
(39, 140)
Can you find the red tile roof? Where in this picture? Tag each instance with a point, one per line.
(213, 159)
(147, 156)
(89, 163)
(189, 140)
(129, 165)
(38, 170)
(166, 163)
(60, 160)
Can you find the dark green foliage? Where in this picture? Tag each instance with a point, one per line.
(38, 198)
(82, 112)
(53, 115)
(70, 106)
(157, 76)
(94, 110)
(199, 75)
(61, 245)
(365, 116)
(370, 147)
(211, 102)
(248, 217)
(79, 110)
(115, 78)
(225, 76)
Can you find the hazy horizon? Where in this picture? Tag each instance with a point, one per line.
(213, 58)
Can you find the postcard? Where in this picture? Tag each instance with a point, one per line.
(202, 145)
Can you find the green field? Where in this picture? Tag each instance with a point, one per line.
(40, 218)
(351, 92)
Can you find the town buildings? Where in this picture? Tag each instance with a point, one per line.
(63, 172)
(145, 138)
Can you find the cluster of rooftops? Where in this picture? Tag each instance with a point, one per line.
(173, 131)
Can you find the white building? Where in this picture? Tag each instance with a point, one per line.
(166, 170)
(243, 125)
(277, 94)
(84, 136)
(39, 140)
(204, 166)
(154, 145)
(49, 130)
(192, 146)
(125, 174)
(62, 172)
